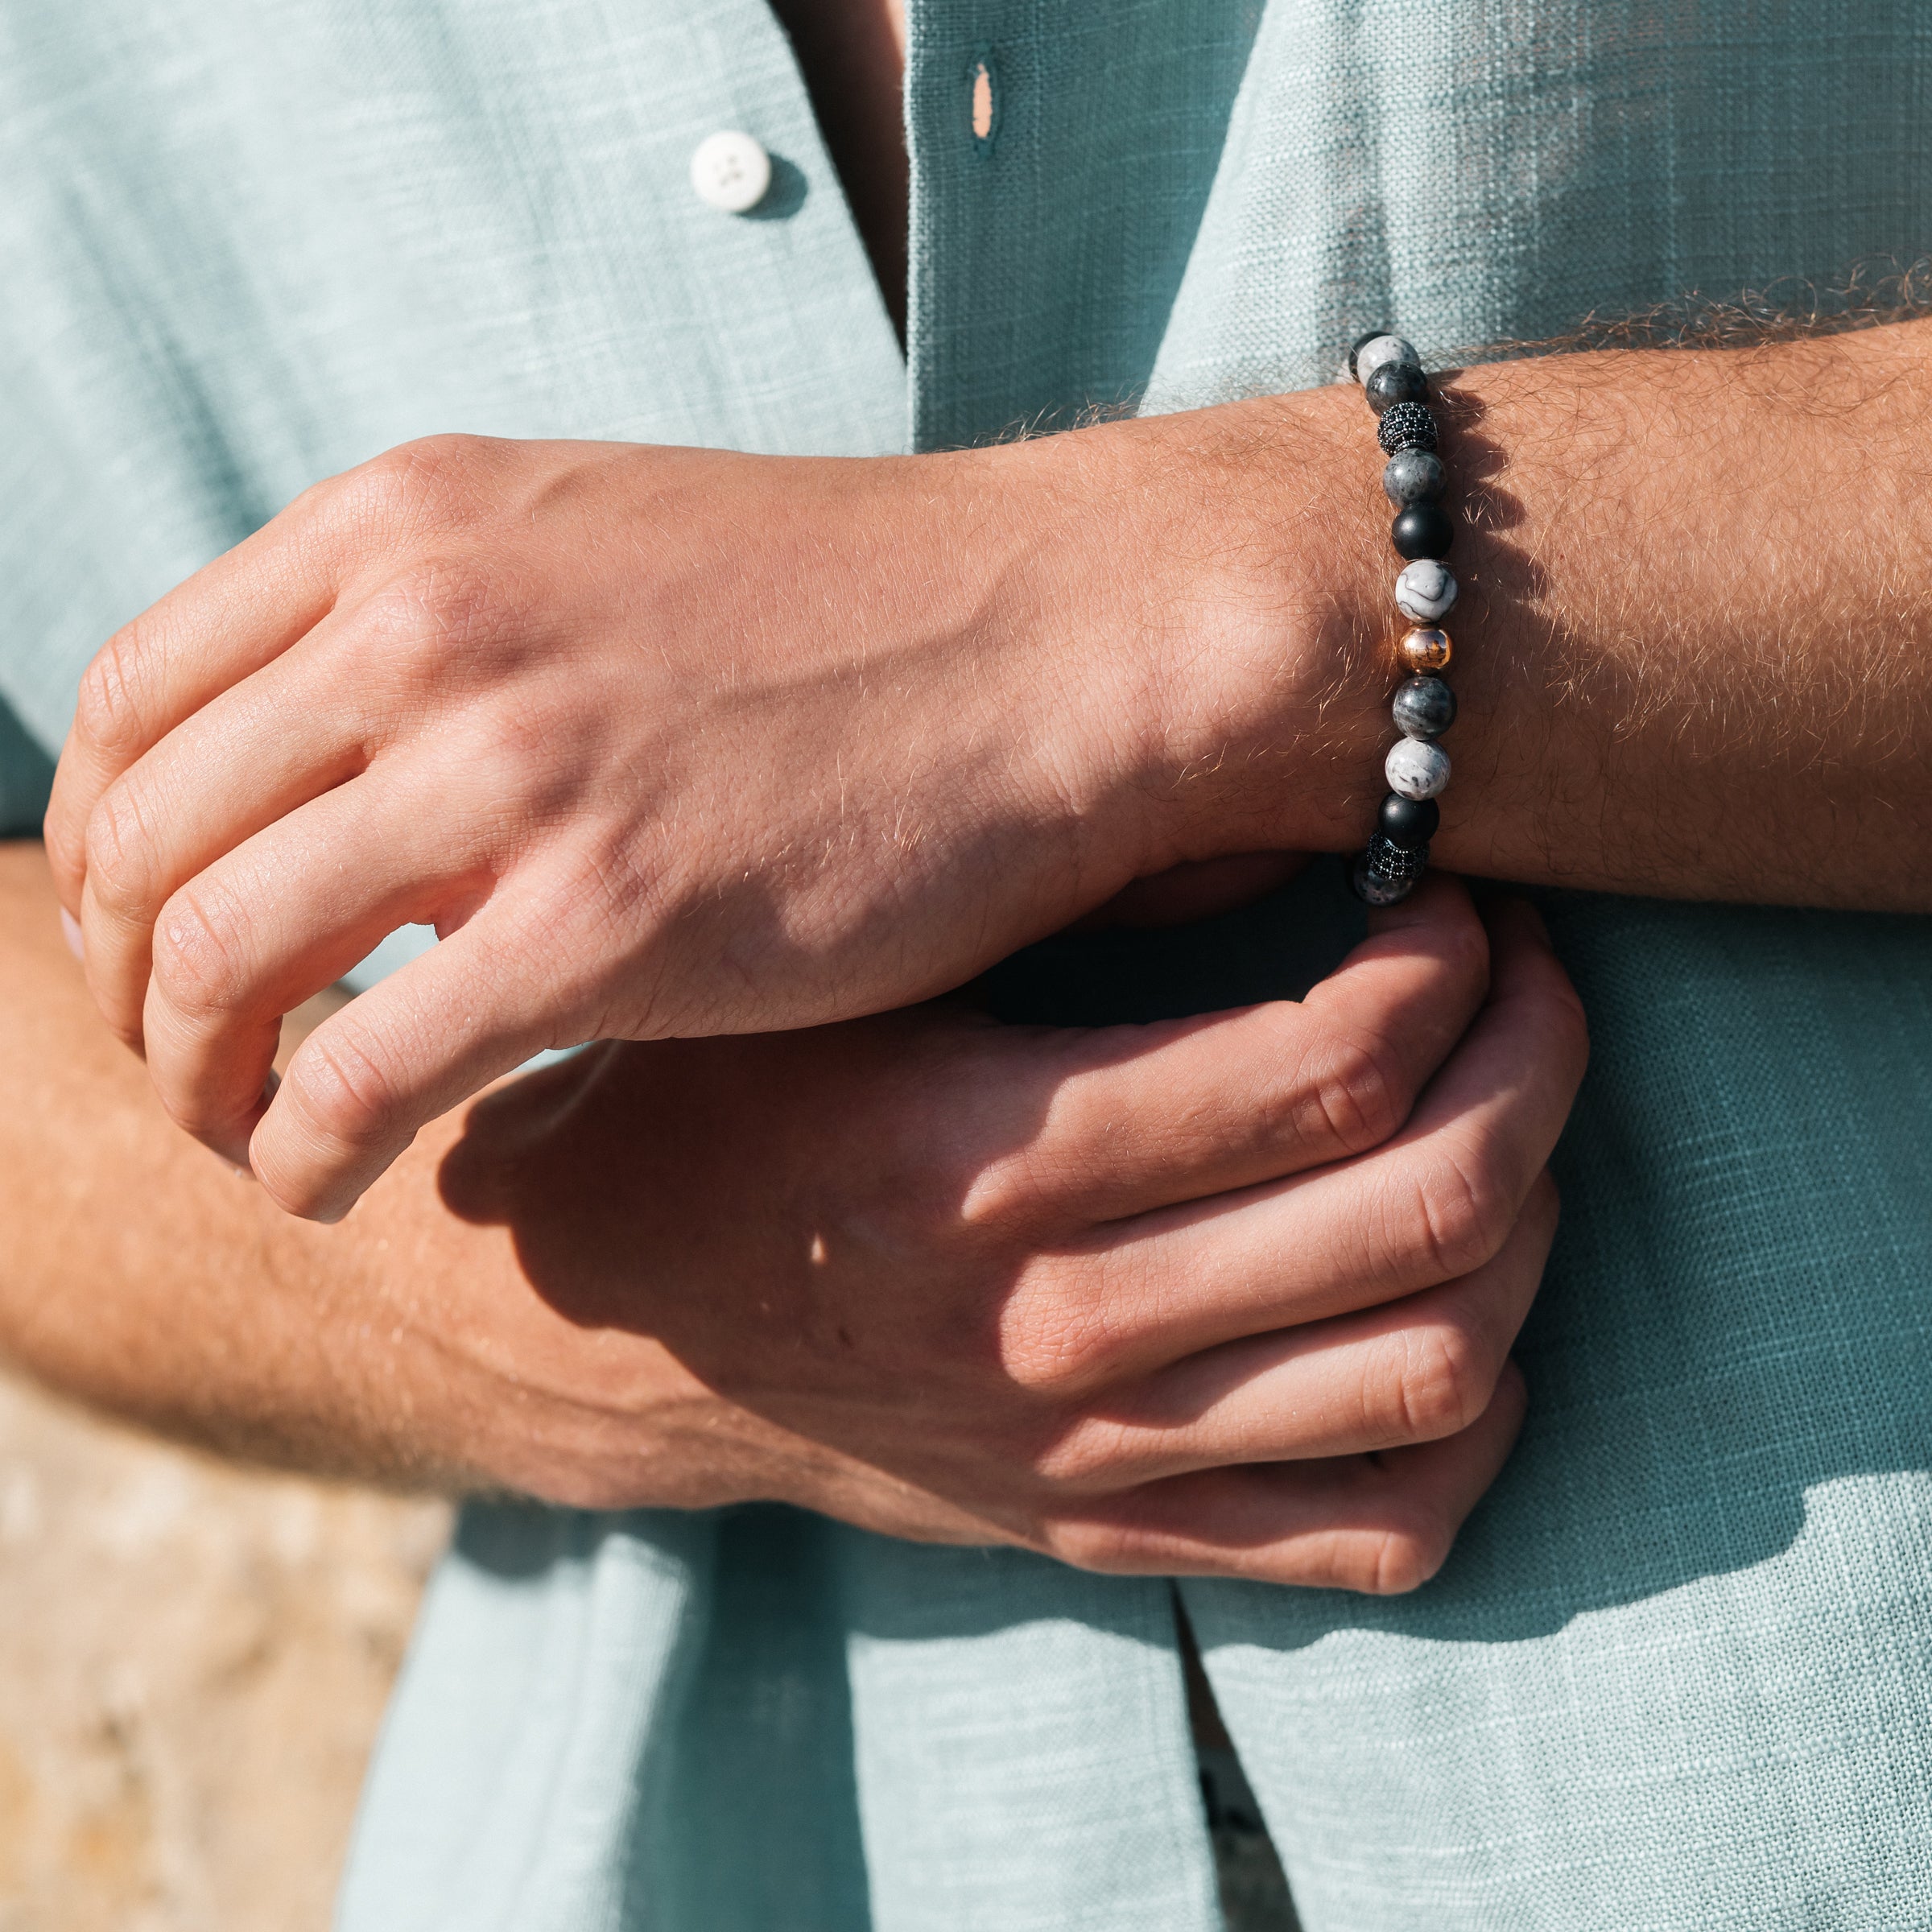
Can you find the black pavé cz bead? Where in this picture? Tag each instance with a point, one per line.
(1385, 874)
(1406, 426)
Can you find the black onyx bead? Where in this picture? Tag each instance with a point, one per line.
(1423, 529)
(1406, 426)
(1393, 383)
(1361, 342)
(1413, 476)
(1409, 823)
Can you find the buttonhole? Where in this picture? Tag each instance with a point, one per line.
(985, 103)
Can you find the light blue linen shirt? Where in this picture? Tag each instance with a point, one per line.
(1679, 1671)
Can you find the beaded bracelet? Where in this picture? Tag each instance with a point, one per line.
(1390, 373)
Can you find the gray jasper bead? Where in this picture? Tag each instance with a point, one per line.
(1425, 707)
(1371, 356)
(1395, 382)
(1416, 769)
(1413, 476)
(1425, 593)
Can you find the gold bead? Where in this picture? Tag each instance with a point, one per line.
(1426, 648)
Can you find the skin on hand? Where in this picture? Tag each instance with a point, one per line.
(665, 742)
(1232, 1296)
(605, 1289)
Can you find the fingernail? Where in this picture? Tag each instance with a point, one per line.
(70, 931)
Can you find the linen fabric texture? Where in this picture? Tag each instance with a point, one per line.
(1679, 1670)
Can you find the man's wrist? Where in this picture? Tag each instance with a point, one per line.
(1257, 541)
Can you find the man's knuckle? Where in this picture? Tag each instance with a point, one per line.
(200, 955)
(447, 457)
(376, 500)
(435, 618)
(1356, 1087)
(343, 1090)
(1405, 1555)
(107, 707)
(1442, 1381)
(416, 483)
(1051, 1345)
(1463, 1213)
(119, 844)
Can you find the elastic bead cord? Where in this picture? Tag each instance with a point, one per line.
(1391, 375)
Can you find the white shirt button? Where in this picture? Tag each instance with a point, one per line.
(729, 171)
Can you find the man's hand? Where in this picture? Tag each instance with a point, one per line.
(1223, 1296)
(665, 742)
(940, 1277)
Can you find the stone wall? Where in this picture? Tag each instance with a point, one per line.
(193, 1662)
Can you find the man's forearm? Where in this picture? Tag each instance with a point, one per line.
(1696, 602)
(138, 1274)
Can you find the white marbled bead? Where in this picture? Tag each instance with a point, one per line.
(1416, 768)
(1425, 593)
(1371, 356)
